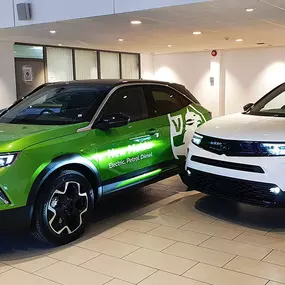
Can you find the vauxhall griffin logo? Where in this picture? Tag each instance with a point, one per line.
(182, 128)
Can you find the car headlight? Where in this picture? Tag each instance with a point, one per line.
(274, 148)
(7, 159)
(197, 139)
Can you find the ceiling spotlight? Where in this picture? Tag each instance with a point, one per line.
(52, 32)
(169, 46)
(197, 33)
(120, 40)
(60, 45)
(239, 40)
(136, 22)
(249, 9)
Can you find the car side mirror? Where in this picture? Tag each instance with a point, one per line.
(248, 106)
(112, 121)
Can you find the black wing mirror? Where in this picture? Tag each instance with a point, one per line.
(111, 121)
(248, 106)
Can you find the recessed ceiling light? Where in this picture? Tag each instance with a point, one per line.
(197, 33)
(249, 9)
(120, 40)
(169, 46)
(136, 22)
(52, 32)
(239, 40)
(60, 45)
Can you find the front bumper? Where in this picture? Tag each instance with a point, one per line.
(244, 191)
(15, 219)
(243, 179)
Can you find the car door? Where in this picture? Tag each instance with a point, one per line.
(174, 121)
(126, 154)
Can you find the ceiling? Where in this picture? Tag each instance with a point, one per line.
(220, 21)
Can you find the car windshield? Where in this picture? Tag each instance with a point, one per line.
(272, 104)
(57, 105)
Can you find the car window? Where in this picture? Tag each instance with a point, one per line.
(128, 100)
(167, 100)
(55, 104)
(184, 90)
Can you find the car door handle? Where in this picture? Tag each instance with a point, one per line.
(153, 132)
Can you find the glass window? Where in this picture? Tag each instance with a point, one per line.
(23, 51)
(182, 89)
(59, 64)
(130, 66)
(128, 100)
(110, 65)
(273, 104)
(86, 64)
(57, 105)
(166, 101)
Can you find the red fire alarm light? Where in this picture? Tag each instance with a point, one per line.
(214, 53)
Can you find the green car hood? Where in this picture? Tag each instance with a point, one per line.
(14, 137)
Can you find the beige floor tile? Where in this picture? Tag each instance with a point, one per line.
(277, 233)
(108, 246)
(118, 268)
(164, 220)
(112, 232)
(212, 230)
(138, 226)
(258, 268)
(274, 283)
(118, 282)
(27, 261)
(199, 254)
(276, 257)
(160, 261)
(179, 235)
(219, 276)
(4, 268)
(259, 240)
(165, 278)
(191, 215)
(74, 255)
(144, 240)
(68, 274)
(236, 248)
(19, 277)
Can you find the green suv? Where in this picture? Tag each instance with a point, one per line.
(66, 145)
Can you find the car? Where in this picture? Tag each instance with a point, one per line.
(66, 145)
(242, 156)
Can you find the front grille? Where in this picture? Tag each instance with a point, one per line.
(249, 192)
(232, 147)
(228, 165)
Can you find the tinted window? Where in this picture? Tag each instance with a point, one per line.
(166, 100)
(184, 90)
(128, 100)
(57, 104)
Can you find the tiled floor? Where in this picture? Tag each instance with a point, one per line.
(179, 238)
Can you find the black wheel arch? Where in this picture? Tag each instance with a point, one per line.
(67, 162)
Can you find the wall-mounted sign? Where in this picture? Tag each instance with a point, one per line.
(212, 81)
(27, 72)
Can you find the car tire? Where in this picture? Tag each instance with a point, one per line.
(185, 179)
(63, 208)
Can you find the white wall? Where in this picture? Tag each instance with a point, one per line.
(192, 70)
(250, 74)
(7, 75)
(241, 76)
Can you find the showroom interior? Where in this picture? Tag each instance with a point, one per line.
(227, 53)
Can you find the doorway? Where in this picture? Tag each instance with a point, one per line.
(30, 73)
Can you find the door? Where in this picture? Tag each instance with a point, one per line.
(170, 110)
(127, 154)
(30, 73)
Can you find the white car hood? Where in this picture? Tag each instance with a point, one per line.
(245, 127)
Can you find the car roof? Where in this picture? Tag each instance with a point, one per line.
(109, 82)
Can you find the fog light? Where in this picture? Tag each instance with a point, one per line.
(275, 190)
(188, 172)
